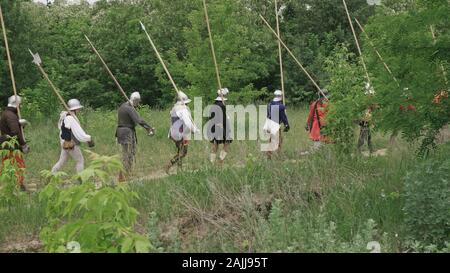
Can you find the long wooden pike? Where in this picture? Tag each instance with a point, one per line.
(37, 60)
(378, 53)
(280, 52)
(444, 73)
(212, 50)
(161, 61)
(357, 42)
(293, 57)
(107, 68)
(11, 71)
(160, 58)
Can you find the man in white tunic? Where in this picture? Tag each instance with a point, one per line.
(181, 129)
(71, 136)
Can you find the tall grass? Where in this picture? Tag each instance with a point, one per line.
(322, 202)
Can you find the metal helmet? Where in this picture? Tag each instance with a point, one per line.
(74, 104)
(14, 101)
(325, 93)
(223, 92)
(369, 89)
(135, 98)
(182, 97)
(278, 93)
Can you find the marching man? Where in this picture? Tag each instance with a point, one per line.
(316, 121)
(11, 126)
(181, 129)
(219, 127)
(365, 122)
(276, 114)
(71, 136)
(128, 118)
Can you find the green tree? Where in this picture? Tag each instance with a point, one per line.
(406, 41)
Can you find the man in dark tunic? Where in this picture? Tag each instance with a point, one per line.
(276, 114)
(10, 127)
(128, 118)
(220, 128)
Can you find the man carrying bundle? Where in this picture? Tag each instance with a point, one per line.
(128, 118)
(11, 126)
(316, 120)
(180, 129)
(276, 114)
(219, 127)
(71, 136)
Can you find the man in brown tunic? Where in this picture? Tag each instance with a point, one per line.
(10, 127)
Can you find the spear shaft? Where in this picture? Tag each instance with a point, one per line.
(107, 69)
(55, 90)
(160, 58)
(356, 41)
(378, 53)
(212, 50)
(293, 57)
(444, 73)
(11, 71)
(280, 52)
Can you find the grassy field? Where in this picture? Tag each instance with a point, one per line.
(316, 203)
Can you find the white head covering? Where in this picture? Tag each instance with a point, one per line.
(278, 95)
(135, 98)
(325, 92)
(183, 98)
(74, 104)
(12, 102)
(222, 92)
(369, 89)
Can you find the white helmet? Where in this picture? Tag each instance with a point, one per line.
(74, 104)
(325, 93)
(183, 98)
(222, 92)
(369, 89)
(12, 102)
(135, 98)
(278, 95)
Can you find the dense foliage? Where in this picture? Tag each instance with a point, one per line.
(427, 201)
(93, 216)
(419, 62)
(246, 50)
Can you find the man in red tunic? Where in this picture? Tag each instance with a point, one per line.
(316, 120)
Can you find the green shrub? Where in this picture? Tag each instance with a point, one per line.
(293, 233)
(93, 216)
(348, 101)
(39, 102)
(9, 188)
(427, 201)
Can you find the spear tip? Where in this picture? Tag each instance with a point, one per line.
(142, 25)
(36, 58)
